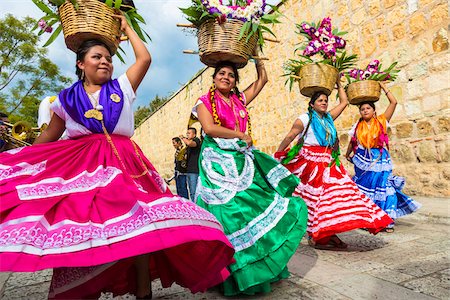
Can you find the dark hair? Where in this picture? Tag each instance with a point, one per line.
(3, 115)
(176, 139)
(222, 64)
(84, 48)
(370, 103)
(193, 129)
(315, 96)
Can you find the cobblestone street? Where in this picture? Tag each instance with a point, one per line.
(411, 263)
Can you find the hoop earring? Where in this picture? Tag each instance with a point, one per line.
(213, 86)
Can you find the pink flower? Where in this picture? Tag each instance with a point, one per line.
(43, 25)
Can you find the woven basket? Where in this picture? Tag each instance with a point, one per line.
(92, 20)
(221, 43)
(363, 91)
(317, 78)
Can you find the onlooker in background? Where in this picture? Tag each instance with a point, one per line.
(193, 150)
(180, 161)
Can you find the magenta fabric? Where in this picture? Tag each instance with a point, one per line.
(225, 112)
(72, 206)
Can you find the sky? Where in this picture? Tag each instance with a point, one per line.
(170, 68)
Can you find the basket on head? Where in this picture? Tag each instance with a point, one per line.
(221, 42)
(363, 91)
(317, 78)
(92, 20)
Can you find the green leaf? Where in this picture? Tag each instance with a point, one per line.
(119, 56)
(42, 6)
(117, 4)
(109, 3)
(53, 36)
(244, 29)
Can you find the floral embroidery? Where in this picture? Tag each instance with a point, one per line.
(16, 235)
(230, 182)
(277, 174)
(21, 169)
(57, 186)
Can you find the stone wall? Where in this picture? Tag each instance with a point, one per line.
(413, 32)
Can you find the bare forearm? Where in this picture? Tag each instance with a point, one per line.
(140, 50)
(285, 142)
(222, 132)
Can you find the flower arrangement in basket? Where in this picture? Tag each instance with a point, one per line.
(363, 85)
(322, 58)
(229, 31)
(88, 19)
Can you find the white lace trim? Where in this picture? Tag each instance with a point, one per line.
(277, 174)
(34, 235)
(231, 182)
(258, 227)
(57, 186)
(23, 168)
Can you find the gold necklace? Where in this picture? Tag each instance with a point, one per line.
(96, 112)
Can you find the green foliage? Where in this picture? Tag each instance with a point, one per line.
(26, 74)
(143, 112)
(197, 13)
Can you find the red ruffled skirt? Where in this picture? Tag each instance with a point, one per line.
(335, 204)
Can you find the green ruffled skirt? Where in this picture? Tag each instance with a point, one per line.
(250, 193)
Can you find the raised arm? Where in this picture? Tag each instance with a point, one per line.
(392, 102)
(53, 132)
(343, 101)
(348, 155)
(136, 71)
(253, 89)
(296, 129)
(214, 130)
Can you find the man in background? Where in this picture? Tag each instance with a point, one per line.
(180, 162)
(193, 151)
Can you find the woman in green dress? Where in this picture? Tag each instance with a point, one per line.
(248, 191)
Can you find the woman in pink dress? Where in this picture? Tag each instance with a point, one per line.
(93, 207)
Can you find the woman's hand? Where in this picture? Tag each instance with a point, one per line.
(246, 138)
(383, 86)
(123, 22)
(349, 157)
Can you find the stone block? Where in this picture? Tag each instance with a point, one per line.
(373, 8)
(344, 139)
(367, 29)
(358, 17)
(388, 3)
(416, 70)
(440, 40)
(342, 11)
(396, 15)
(439, 15)
(399, 31)
(438, 82)
(369, 45)
(355, 4)
(423, 3)
(402, 153)
(443, 124)
(415, 89)
(427, 151)
(383, 40)
(412, 6)
(404, 130)
(417, 24)
(432, 105)
(424, 128)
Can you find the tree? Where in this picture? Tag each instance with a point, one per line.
(26, 74)
(142, 113)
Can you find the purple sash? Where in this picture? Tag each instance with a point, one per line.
(76, 102)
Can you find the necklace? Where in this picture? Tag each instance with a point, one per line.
(96, 112)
